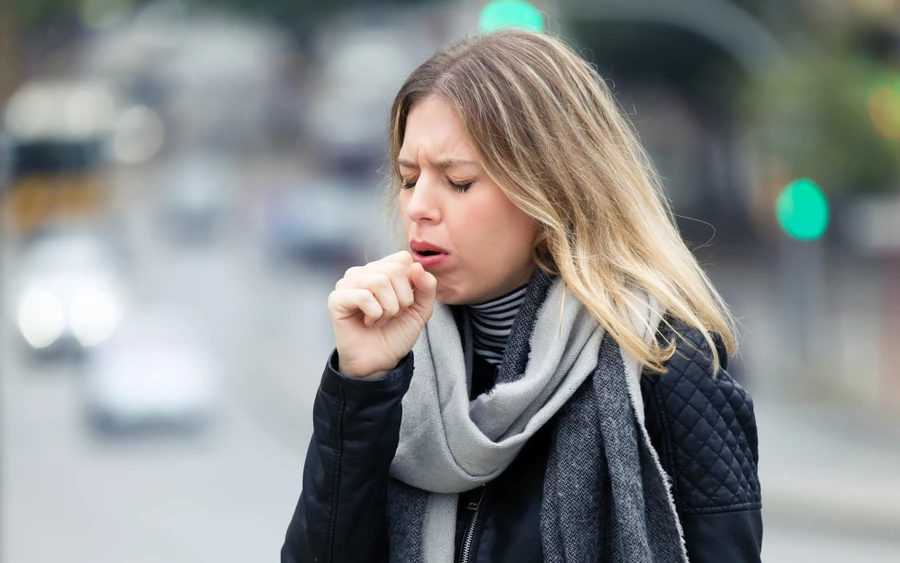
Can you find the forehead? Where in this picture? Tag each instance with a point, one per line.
(433, 131)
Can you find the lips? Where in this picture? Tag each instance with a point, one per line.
(428, 254)
(422, 247)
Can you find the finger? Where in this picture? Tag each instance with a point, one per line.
(353, 272)
(382, 288)
(399, 276)
(351, 276)
(425, 285)
(351, 282)
(403, 257)
(344, 304)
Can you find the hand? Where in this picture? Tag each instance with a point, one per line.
(377, 313)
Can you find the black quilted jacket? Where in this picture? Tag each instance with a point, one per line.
(703, 429)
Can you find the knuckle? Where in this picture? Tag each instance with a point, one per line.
(375, 305)
(392, 308)
(383, 281)
(333, 299)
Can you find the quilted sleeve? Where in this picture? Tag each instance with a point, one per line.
(705, 433)
(341, 514)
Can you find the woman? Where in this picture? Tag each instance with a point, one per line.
(541, 376)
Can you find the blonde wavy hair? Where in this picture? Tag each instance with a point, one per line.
(549, 132)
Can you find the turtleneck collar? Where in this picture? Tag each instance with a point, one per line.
(492, 322)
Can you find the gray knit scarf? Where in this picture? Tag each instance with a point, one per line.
(606, 497)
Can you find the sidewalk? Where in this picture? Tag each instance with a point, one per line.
(821, 469)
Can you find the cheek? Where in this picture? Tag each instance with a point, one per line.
(496, 232)
(401, 210)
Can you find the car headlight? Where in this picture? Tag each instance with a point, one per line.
(41, 318)
(94, 314)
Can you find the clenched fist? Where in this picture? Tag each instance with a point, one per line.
(377, 312)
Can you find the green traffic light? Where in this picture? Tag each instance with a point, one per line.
(802, 210)
(510, 13)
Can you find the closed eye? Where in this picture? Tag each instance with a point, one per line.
(459, 187)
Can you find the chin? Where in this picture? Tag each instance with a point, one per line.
(445, 297)
(449, 296)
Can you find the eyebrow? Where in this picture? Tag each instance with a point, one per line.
(442, 164)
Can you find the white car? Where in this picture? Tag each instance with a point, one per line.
(67, 291)
(153, 372)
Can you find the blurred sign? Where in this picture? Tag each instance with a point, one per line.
(510, 13)
(35, 201)
(802, 210)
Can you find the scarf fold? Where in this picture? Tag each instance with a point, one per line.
(606, 497)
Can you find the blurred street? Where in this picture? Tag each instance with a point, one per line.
(181, 184)
(228, 495)
(224, 496)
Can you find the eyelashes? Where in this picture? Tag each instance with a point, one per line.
(462, 187)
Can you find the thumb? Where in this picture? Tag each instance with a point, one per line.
(425, 285)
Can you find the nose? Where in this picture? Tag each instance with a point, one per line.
(423, 203)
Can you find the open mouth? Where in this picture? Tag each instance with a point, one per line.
(427, 254)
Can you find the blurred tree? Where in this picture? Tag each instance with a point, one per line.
(35, 13)
(298, 15)
(7, 49)
(829, 117)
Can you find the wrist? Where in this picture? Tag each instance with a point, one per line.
(381, 374)
(363, 374)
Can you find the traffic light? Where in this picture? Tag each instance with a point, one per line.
(802, 210)
(510, 13)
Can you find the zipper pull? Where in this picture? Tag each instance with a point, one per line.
(475, 503)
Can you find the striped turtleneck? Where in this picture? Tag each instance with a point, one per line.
(493, 321)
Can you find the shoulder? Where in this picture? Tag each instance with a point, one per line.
(703, 428)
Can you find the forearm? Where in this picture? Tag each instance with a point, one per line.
(342, 509)
(734, 536)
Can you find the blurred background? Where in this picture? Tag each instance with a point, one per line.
(183, 181)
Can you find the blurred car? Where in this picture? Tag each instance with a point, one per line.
(68, 290)
(361, 68)
(153, 372)
(325, 223)
(196, 191)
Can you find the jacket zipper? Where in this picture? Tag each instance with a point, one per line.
(469, 536)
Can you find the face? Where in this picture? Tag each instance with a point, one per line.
(460, 225)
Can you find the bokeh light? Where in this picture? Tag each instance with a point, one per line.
(884, 111)
(802, 210)
(510, 13)
(139, 135)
